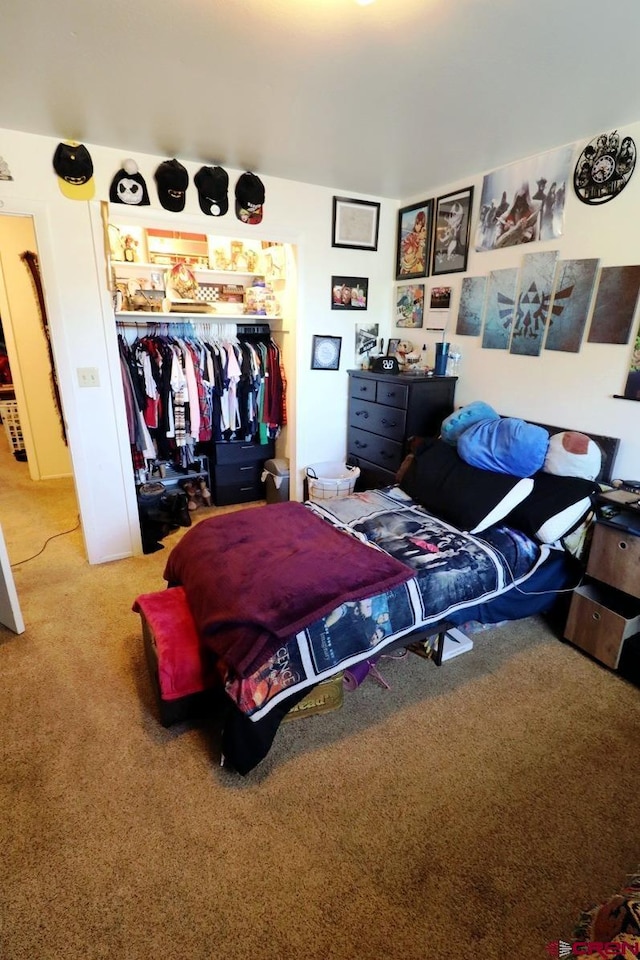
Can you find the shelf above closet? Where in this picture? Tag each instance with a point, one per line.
(148, 316)
(133, 265)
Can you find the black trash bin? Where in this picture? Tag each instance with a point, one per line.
(275, 476)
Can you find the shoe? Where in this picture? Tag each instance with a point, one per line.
(205, 493)
(192, 495)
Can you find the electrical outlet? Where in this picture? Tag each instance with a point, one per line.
(88, 377)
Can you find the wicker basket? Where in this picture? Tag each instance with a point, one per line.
(11, 420)
(330, 480)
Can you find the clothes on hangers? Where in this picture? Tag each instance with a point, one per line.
(190, 386)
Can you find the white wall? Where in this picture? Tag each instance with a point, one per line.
(564, 389)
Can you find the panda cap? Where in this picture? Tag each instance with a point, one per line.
(128, 186)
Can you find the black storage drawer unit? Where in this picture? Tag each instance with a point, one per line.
(236, 471)
(384, 411)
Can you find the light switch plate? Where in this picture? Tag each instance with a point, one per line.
(88, 377)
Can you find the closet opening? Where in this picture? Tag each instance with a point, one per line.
(201, 324)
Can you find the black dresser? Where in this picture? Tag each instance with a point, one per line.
(384, 411)
(236, 470)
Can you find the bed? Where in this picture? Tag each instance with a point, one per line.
(285, 596)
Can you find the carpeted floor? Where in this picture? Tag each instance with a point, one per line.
(469, 811)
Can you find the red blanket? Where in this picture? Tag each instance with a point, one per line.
(256, 577)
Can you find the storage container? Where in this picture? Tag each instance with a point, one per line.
(275, 476)
(11, 420)
(329, 480)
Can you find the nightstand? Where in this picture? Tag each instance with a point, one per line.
(604, 614)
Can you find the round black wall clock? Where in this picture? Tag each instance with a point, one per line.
(604, 168)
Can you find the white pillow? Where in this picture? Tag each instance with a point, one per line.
(572, 454)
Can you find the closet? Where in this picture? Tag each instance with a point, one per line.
(199, 323)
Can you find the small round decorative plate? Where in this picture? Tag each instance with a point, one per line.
(604, 168)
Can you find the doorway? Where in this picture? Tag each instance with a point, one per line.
(37, 490)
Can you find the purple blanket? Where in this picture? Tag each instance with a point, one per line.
(256, 577)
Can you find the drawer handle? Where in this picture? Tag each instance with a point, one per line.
(390, 394)
(362, 413)
(623, 544)
(247, 468)
(385, 455)
(595, 616)
(388, 423)
(361, 445)
(243, 489)
(364, 389)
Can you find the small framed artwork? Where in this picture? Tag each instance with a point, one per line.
(325, 352)
(349, 293)
(440, 298)
(355, 224)
(392, 348)
(366, 339)
(413, 240)
(451, 234)
(410, 305)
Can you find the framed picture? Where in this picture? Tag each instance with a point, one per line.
(451, 233)
(366, 339)
(355, 224)
(440, 298)
(325, 352)
(392, 349)
(413, 240)
(410, 305)
(349, 293)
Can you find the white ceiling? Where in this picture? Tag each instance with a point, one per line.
(392, 99)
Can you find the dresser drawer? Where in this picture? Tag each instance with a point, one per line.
(600, 621)
(374, 448)
(392, 394)
(362, 389)
(614, 558)
(387, 421)
(237, 451)
(226, 493)
(240, 473)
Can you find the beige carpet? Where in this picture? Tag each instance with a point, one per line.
(470, 811)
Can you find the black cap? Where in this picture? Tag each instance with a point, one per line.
(172, 181)
(74, 166)
(249, 198)
(212, 184)
(128, 186)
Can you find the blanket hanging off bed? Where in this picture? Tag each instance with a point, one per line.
(256, 577)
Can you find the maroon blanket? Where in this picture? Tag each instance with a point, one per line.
(256, 577)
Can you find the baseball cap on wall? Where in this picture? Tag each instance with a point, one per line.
(74, 166)
(128, 186)
(212, 184)
(172, 181)
(249, 198)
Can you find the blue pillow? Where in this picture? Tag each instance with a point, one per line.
(459, 420)
(506, 445)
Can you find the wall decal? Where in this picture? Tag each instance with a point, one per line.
(471, 309)
(501, 301)
(604, 168)
(573, 291)
(532, 306)
(524, 201)
(615, 305)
